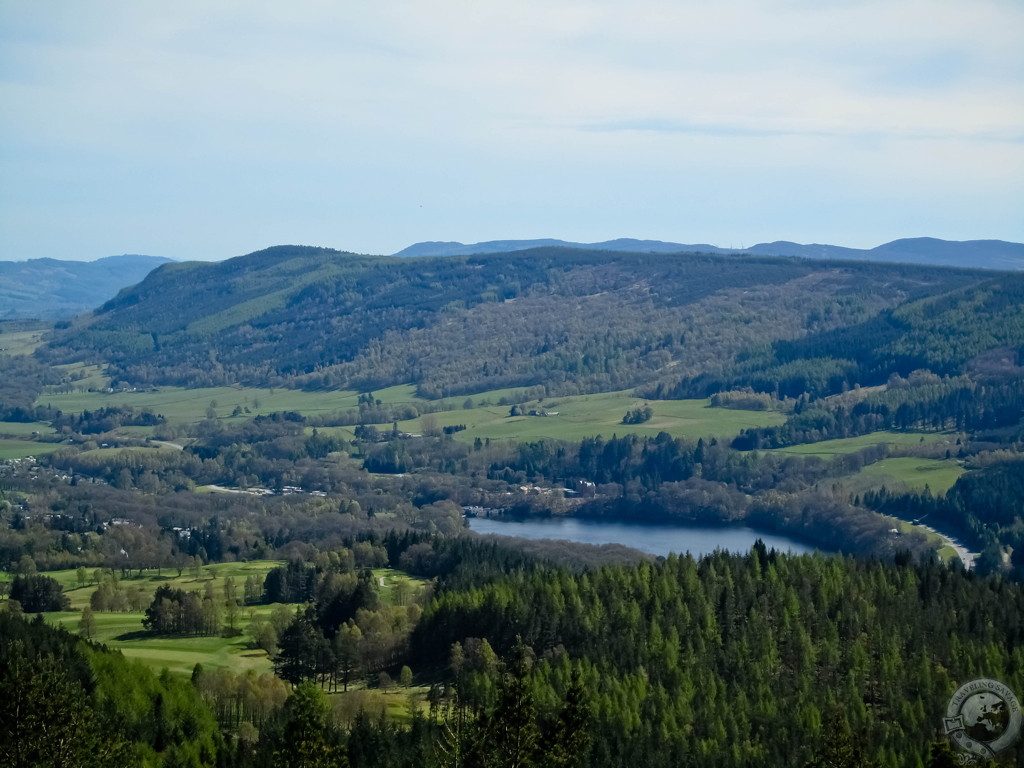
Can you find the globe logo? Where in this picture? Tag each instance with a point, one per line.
(983, 718)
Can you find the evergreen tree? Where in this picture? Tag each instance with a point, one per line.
(307, 738)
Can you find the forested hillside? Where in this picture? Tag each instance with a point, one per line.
(840, 662)
(571, 320)
(978, 328)
(66, 703)
(761, 659)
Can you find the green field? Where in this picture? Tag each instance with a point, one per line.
(184, 406)
(910, 473)
(24, 429)
(600, 414)
(91, 376)
(123, 631)
(79, 596)
(828, 448)
(577, 416)
(12, 448)
(20, 342)
(178, 654)
(147, 450)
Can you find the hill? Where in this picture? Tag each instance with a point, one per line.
(52, 289)
(569, 319)
(625, 244)
(979, 254)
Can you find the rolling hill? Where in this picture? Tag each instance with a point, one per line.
(52, 289)
(979, 254)
(571, 320)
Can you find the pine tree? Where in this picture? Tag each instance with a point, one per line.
(308, 739)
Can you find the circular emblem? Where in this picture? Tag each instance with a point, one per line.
(983, 717)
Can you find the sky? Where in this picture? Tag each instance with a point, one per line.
(200, 130)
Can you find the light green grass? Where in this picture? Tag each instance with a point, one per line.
(123, 631)
(838, 447)
(135, 431)
(178, 654)
(389, 578)
(108, 453)
(20, 429)
(599, 414)
(912, 473)
(18, 449)
(20, 342)
(578, 416)
(92, 376)
(79, 596)
(184, 406)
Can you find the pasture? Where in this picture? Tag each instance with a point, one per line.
(14, 448)
(579, 416)
(187, 406)
(21, 342)
(24, 429)
(571, 417)
(828, 448)
(909, 473)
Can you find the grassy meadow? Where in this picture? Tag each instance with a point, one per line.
(579, 416)
(912, 473)
(24, 429)
(14, 448)
(20, 342)
(828, 448)
(17, 440)
(187, 406)
(124, 631)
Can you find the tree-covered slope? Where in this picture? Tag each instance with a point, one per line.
(64, 702)
(977, 327)
(736, 661)
(571, 319)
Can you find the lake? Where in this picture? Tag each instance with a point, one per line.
(655, 539)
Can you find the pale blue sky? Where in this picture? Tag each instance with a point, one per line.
(199, 132)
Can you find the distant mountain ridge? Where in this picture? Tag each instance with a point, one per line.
(570, 320)
(52, 289)
(981, 254)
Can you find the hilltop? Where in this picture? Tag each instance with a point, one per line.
(979, 254)
(572, 320)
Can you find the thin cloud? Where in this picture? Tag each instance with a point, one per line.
(724, 130)
(196, 129)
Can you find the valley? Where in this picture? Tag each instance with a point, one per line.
(397, 442)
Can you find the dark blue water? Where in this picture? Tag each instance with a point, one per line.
(653, 539)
